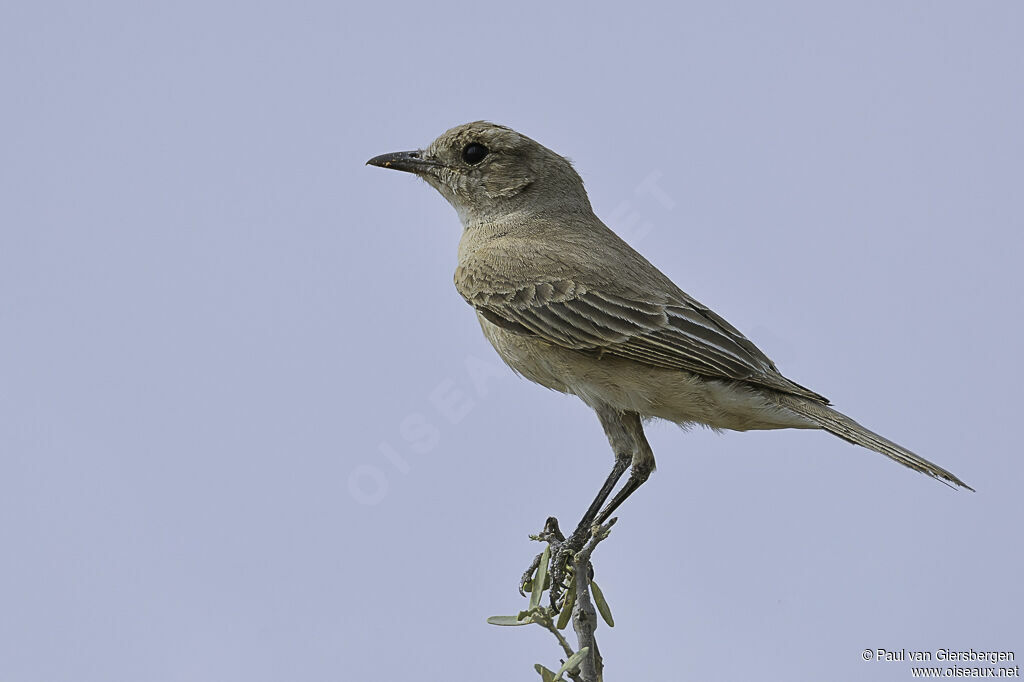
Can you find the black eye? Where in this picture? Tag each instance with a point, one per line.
(474, 153)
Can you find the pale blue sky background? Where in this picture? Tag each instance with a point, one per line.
(213, 316)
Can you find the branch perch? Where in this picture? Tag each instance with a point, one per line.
(585, 664)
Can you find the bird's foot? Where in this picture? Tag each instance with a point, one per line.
(560, 567)
(551, 535)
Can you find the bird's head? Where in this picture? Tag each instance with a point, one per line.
(488, 171)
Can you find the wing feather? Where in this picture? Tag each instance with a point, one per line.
(672, 334)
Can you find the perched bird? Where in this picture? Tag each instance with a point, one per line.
(569, 305)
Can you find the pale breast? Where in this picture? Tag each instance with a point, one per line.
(527, 356)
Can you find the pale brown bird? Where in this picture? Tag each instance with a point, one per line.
(568, 304)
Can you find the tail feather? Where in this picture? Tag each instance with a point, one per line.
(840, 425)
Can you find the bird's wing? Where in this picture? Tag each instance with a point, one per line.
(675, 333)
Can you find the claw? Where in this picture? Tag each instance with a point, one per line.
(562, 552)
(528, 574)
(561, 566)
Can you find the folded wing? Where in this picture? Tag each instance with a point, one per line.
(674, 333)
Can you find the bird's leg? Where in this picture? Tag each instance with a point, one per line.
(582, 532)
(625, 435)
(562, 554)
(642, 458)
(643, 465)
(640, 473)
(560, 545)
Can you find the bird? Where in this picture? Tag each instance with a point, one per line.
(569, 305)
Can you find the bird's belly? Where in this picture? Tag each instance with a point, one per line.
(675, 395)
(526, 356)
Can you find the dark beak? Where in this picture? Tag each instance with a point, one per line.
(410, 162)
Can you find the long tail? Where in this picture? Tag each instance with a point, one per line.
(839, 424)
